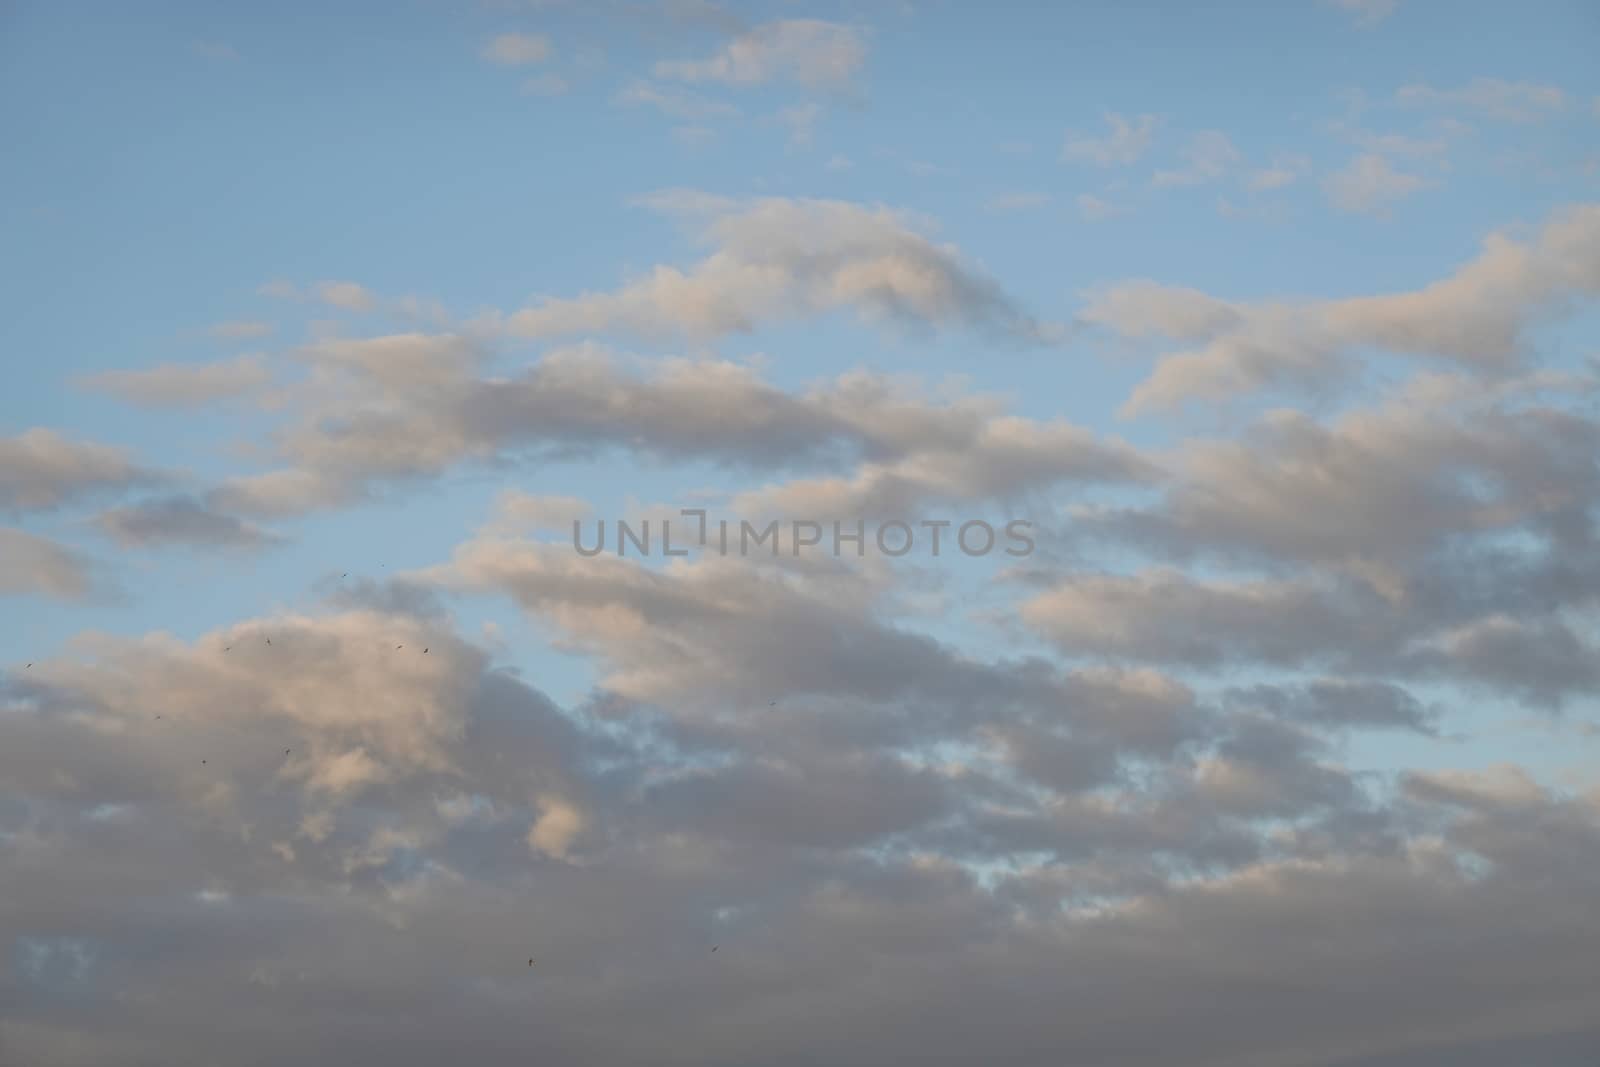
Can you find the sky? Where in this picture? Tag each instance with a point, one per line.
(1274, 323)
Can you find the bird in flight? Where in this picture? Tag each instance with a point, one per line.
(398, 647)
(772, 704)
(530, 963)
(285, 752)
(713, 948)
(424, 652)
(228, 649)
(30, 665)
(269, 640)
(202, 761)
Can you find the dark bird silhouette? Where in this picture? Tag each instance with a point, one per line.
(398, 647)
(228, 649)
(269, 640)
(29, 667)
(773, 704)
(713, 948)
(346, 574)
(530, 963)
(424, 652)
(285, 752)
(202, 761)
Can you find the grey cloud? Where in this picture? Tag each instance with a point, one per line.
(406, 407)
(41, 469)
(30, 564)
(181, 520)
(173, 911)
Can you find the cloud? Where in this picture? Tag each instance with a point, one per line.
(1095, 209)
(448, 800)
(1284, 171)
(215, 50)
(1208, 156)
(1491, 98)
(777, 259)
(1368, 13)
(802, 123)
(409, 406)
(1368, 185)
(546, 85)
(1127, 141)
(811, 52)
(180, 520)
(1476, 318)
(40, 470)
(178, 385)
(1012, 202)
(518, 512)
(517, 49)
(34, 565)
(240, 330)
(346, 295)
(675, 103)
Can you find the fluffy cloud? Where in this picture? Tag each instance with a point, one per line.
(1477, 318)
(808, 51)
(437, 822)
(406, 406)
(40, 469)
(777, 259)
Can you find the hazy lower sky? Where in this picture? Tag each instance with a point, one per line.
(323, 324)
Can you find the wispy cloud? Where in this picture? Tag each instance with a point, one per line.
(1128, 140)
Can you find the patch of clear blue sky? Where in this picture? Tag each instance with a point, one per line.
(151, 188)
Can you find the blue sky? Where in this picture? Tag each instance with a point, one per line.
(1279, 319)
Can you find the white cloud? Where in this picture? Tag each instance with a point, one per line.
(240, 330)
(346, 295)
(802, 123)
(1284, 171)
(1127, 141)
(1096, 209)
(215, 50)
(675, 103)
(776, 259)
(1368, 185)
(183, 384)
(1368, 13)
(1208, 156)
(546, 85)
(1477, 318)
(808, 51)
(1006, 203)
(517, 49)
(1492, 98)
